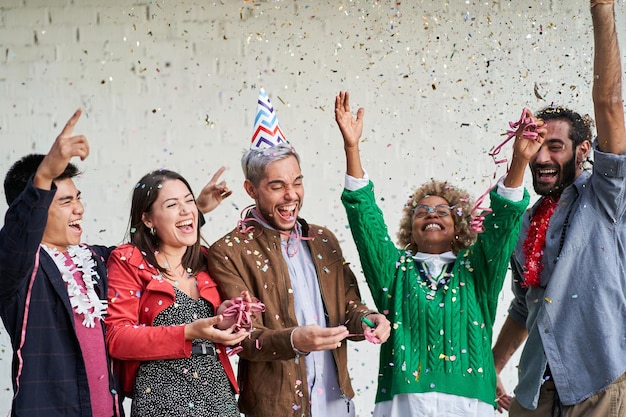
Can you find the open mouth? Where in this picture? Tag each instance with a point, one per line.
(287, 213)
(185, 225)
(75, 225)
(432, 226)
(546, 174)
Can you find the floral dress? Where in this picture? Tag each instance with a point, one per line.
(194, 386)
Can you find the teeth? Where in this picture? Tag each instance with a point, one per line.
(288, 208)
(432, 226)
(74, 223)
(547, 171)
(185, 223)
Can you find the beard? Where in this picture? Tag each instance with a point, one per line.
(566, 175)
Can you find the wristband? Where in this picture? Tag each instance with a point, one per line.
(298, 352)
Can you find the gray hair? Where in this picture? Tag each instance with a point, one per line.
(254, 162)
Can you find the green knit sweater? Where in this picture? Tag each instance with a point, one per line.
(440, 341)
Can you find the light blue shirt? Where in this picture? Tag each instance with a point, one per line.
(576, 319)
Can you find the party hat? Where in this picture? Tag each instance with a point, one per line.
(267, 132)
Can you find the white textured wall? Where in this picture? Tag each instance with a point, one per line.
(174, 84)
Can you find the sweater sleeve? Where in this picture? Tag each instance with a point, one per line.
(127, 338)
(489, 256)
(377, 251)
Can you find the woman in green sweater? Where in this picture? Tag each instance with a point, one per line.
(440, 288)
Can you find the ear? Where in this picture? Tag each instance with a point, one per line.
(582, 151)
(146, 220)
(250, 189)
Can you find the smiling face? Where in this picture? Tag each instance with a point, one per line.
(174, 216)
(65, 215)
(280, 193)
(433, 233)
(557, 163)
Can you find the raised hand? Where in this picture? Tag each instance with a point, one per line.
(526, 148)
(213, 193)
(351, 128)
(64, 148)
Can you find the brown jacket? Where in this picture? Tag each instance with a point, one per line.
(272, 379)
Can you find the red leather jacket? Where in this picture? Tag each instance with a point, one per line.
(136, 296)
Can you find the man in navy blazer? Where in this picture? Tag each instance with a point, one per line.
(53, 289)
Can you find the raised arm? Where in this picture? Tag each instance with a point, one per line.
(351, 130)
(607, 80)
(25, 220)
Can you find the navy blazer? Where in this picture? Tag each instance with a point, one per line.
(52, 380)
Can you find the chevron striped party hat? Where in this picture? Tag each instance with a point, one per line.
(267, 132)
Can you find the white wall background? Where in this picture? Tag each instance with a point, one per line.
(174, 84)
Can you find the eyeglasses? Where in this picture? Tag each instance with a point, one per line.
(423, 210)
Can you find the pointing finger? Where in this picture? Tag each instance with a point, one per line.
(69, 126)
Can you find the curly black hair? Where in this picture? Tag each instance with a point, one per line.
(581, 126)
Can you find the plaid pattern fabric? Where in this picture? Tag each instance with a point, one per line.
(50, 380)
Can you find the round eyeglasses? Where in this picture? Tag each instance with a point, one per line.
(423, 210)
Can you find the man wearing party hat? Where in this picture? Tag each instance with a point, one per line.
(295, 362)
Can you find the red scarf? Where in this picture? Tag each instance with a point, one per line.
(536, 240)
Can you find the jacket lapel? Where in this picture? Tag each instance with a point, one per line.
(53, 275)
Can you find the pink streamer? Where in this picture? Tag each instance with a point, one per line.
(241, 224)
(529, 131)
(242, 311)
(476, 222)
(370, 337)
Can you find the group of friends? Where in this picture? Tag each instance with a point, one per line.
(91, 325)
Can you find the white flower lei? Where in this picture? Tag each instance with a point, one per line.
(89, 305)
